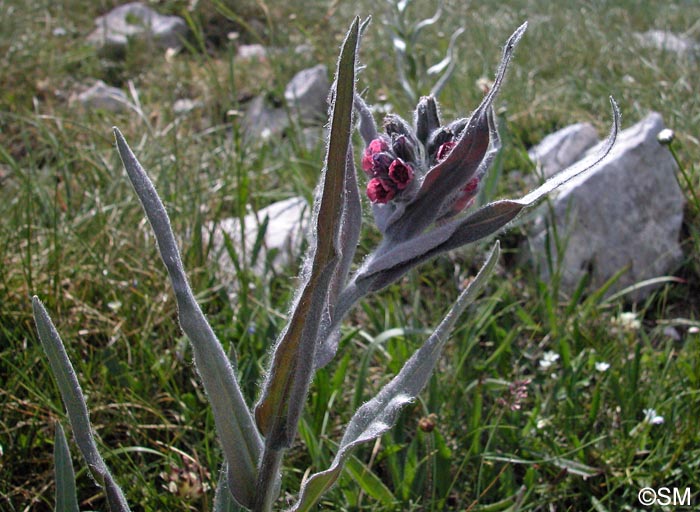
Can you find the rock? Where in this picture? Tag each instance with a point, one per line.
(103, 97)
(282, 242)
(313, 137)
(184, 106)
(251, 52)
(626, 213)
(672, 332)
(668, 42)
(306, 94)
(262, 122)
(136, 20)
(562, 148)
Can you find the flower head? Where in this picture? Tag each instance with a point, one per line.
(375, 147)
(548, 359)
(652, 418)
(602, 366)
(380, 191)
(400, 173)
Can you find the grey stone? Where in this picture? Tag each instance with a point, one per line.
(285, 231)
(103, 97)
(313, 137)
(262, 122)
(307, 93)
(625, 214)
(672, 332)
(251, 52)
(136, 20)
(562, 148)
(668, 42)
(184, 106)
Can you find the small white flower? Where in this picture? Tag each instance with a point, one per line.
(548, 359)
(652, 418)
(543, 423)
(628, 321)
(602, 366)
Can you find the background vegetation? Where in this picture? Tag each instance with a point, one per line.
(71, 231)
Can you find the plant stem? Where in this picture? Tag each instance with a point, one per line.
(268, 485)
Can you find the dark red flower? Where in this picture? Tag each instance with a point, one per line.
(380, 191)
(401, 173)
(374, 147)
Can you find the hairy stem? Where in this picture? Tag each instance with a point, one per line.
(267, 488)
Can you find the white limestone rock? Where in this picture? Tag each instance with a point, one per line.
(307, 93)
(282, 241)
(103, 97)
(669, 42)
(559, 150)
(261, 122)
(136, 20)
(627, 213)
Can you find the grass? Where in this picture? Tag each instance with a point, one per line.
(73, 233)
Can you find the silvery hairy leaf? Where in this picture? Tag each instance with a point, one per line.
(76, 407)
(394, 260)
(366, 125)
(66, 497)
(223, 499)
(241, 442)
(336, 211)
(329, 334)
(378, 415)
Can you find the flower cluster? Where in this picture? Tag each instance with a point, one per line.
(397, 160)
(389, 162)
(517, 393)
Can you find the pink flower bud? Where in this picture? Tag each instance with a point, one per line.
(444, 150)
(403, 148)
(374, 147)
(380, 191)
(400, 173)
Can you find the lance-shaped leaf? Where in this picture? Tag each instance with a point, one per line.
(458, 168)
(241, 442)
(76, 407)
(351, 222)
(378, 415)
(392, 262)
(290, 373)
(66, 497)
(223, 499)
(367, 127)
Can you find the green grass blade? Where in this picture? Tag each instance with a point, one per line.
(76, 407)
(369, 482)
(66, 497)
(235, 427)
(378, 415)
